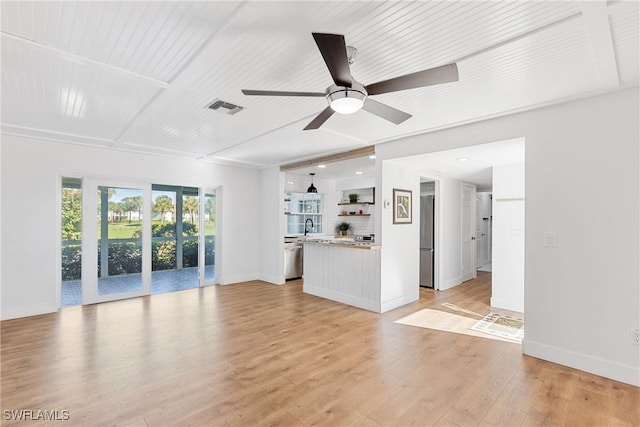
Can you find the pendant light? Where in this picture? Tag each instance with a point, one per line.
(312, 188)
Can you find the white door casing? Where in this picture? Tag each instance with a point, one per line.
(468, 220)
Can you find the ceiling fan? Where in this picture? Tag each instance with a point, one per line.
(346, 95)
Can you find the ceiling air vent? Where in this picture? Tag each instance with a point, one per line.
(224, 107)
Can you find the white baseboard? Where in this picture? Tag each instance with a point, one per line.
(28, 310)
(397, 302)
(449, 283)
(604, 368)
(237, 278)
(274, 280)
(343, 298)
(508, 304)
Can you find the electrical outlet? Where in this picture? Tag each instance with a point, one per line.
(635, 336)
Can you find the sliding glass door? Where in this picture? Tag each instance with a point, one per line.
(116, 241)
(125, 239)
(175, 232)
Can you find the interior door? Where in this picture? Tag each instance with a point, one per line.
(116, 244)
(468, 231)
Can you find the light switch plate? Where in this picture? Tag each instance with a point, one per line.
(550, 239)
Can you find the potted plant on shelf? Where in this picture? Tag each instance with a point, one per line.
(353, 198)
(343, 228)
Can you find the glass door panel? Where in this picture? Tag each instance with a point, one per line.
(190, 214)
(174, 232)
(119, 241)
(209, 238)
(163, 239)
(71, 245)
(115, 248)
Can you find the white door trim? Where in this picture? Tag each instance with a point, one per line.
(468, 271)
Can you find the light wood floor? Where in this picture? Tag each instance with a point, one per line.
(257, 354)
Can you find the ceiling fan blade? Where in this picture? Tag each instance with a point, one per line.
(433, 76)
(386, 112)
(281, 93)
(320, 119)
(334, 51)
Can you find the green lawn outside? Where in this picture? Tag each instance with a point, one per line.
(125, 229)
(209, 228)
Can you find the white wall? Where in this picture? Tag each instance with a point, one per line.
(450, 232)
(507, 280)
(272, 222)
(582, 181)
(357, 182)
(399, 258)
(30, 192)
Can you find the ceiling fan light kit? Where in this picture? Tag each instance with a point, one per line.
(346, 96)
(346, 100)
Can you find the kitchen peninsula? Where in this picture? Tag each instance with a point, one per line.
(343, 271)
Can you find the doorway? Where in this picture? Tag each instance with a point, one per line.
(496, 235)
(427, 234)
(121, 239)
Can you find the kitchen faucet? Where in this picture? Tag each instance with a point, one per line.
(305, 226)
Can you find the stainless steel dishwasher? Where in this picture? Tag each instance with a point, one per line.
(292, 260)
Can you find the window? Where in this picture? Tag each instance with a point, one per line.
(71, 228)
(300, 208)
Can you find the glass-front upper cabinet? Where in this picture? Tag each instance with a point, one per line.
(303, 210)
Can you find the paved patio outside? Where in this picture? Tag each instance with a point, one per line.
(161, 282)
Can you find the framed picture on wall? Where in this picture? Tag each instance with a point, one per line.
(401, 206)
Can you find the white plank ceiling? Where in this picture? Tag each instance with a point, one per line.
(138, 75)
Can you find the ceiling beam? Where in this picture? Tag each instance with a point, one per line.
(360, 152)
(83, 60)
(596, 19)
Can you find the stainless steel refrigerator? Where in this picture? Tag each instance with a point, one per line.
(426, 241)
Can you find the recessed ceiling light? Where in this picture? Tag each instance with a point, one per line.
(359, 173)
(289, 182)
(322, 166)
(462, 159)
(373, 156)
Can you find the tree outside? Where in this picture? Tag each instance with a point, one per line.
(132, 204)
(163, 204)
(71, 214)
(191, 206)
